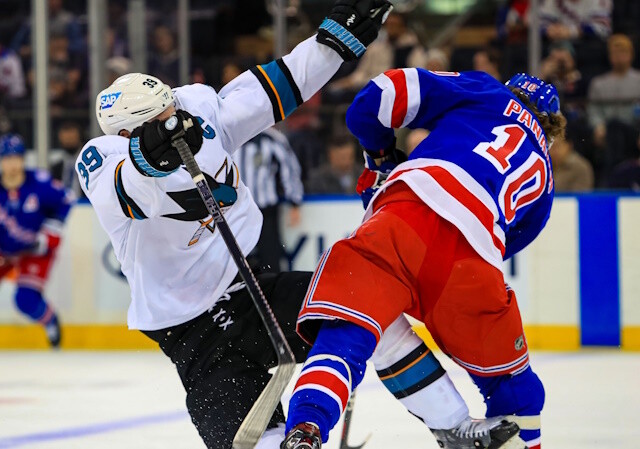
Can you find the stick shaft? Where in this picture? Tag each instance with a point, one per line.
(247, 275)
(258, 417)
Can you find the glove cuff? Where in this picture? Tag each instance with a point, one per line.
(341, 40)
(141, 164)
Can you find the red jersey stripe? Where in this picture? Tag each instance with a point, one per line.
(400, 103)
(448, 182)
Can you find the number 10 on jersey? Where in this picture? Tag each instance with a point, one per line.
(523, 185)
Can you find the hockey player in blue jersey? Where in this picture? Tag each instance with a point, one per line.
(437, 229)
(33, 208)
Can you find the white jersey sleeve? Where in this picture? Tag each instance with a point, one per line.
(111, 182)
(267, 94)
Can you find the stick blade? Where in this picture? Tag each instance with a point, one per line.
(256, 421)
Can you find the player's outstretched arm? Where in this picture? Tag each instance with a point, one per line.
(268, 93)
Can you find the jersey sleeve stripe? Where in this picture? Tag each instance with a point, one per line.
(128, 205)
(387, 99)
(276, 104)
(413, 96)
(277, 81)
(400, 101)
(292, 83)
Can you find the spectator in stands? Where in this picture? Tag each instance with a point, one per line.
(61, 22)
(164, 60)
(571, 171)
(397, 46)
(626, 175)
(488, 61)
(436, 60)
(574, 19)
(116, 46)
(117, 38)
(62, 159)
(513, 21)
(559, 68)
(12, 82)
(414, 138)
(340, 175)
(614, 103)
(65, 75)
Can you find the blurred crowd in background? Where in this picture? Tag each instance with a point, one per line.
(588, 53)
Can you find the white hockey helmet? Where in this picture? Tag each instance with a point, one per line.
(130, 101)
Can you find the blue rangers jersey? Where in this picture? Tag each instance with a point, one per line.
(485, 166)
(31, 213)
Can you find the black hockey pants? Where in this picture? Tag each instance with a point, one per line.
(223, 355)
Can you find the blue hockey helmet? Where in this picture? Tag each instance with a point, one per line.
(11, 144)
(543, 95)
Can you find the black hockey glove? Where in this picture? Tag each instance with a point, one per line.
(150, 146)
(352, 25)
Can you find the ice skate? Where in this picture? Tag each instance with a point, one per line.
(491, 433)
(54, 333)
(303, 436)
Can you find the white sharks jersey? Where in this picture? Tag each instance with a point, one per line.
(176, 263)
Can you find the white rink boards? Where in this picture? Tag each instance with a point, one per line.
(134, 400)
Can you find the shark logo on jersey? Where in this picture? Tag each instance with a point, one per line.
(106, 101)
(224, 191)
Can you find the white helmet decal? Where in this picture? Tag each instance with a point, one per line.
(130, 101)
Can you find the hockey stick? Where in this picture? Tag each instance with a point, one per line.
(258, 418)
(344, 439)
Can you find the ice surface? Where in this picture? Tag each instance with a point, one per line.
(96, 400)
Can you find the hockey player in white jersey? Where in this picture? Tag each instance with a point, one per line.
(185, 291)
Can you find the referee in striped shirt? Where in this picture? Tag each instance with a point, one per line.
(270, 169)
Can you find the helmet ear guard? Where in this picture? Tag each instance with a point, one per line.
(542, 94)
(130, 101)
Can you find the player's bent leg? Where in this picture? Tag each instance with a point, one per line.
(223, 356)
(410, 371)
(221, 380)
(219, 400)
(31, 303)
(334, 368)
(521, 395)
(33, 275)
(415, 377)
(285, 292)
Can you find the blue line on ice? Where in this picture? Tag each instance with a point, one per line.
(92, 429)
